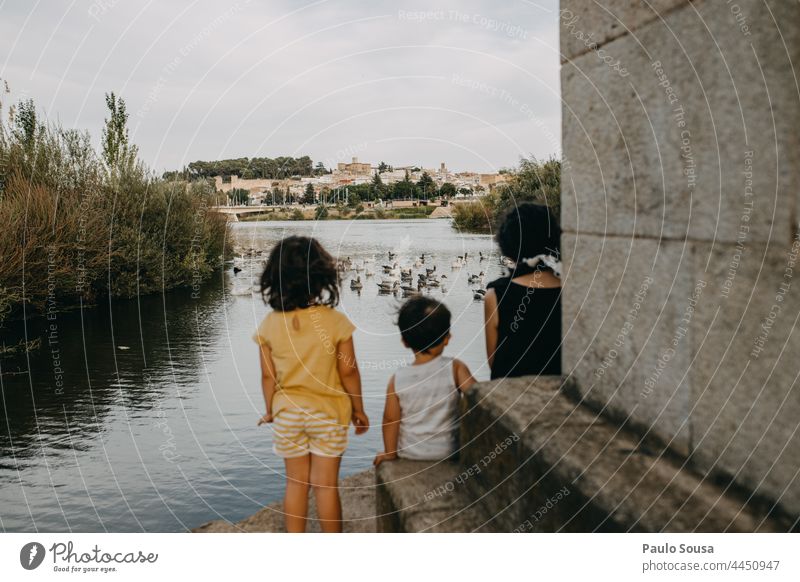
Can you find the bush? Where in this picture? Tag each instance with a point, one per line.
(533, 181)
(321, 212)
(297, 214)
(82, 229)
(477, 216)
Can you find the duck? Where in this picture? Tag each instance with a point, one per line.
(479, 294)
(369, 273)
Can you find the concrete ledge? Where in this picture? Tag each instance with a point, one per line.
(422, 496)
(358, 511)
(569, 469)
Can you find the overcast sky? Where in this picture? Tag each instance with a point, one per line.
(470, 83)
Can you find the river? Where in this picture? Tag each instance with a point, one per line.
(140, 415)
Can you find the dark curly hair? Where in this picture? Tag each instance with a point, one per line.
(527, 230)
(299, 273)
(424, 323)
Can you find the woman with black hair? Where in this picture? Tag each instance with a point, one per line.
(523, 310)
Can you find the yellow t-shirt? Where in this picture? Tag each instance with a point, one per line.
(305, 358)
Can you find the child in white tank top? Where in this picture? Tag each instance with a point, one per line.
(420, 418)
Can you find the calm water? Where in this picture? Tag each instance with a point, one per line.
(140, 415)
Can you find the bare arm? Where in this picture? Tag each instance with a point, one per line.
(351, 381)
(268, 381)
(491, 320)
(391, 425)
(463, 376)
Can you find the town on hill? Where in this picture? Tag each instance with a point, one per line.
(263, 181)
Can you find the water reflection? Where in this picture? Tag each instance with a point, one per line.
(139, 415)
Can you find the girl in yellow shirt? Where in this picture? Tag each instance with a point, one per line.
(309, 376)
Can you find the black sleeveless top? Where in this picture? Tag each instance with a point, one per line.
(529, 330)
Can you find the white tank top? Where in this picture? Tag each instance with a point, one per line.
(429, 410)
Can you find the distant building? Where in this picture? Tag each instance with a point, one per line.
(355, 167)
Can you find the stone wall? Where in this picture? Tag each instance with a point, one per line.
(679, 211)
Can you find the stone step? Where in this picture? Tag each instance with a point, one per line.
(541, 462)
(424, 496)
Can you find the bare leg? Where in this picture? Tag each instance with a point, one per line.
(325, 480)
(295, 501)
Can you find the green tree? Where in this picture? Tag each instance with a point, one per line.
(426, 185)
(404, 189)
(239, 196)
(309, 195)
(117, 151)
(377, 187)
(447, 190)
(534, 181)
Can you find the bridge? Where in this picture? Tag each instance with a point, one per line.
(234, 212)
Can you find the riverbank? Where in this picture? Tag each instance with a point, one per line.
(358, 511)
(346, 213)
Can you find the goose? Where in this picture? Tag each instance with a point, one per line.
(430, 272)
(236, 270)
(479, 294)
(472, 279)
(369, 273)
(481, 257)
(356, 283)
(387, 286)
(458, 263)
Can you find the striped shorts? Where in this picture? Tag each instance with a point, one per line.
(299, 431)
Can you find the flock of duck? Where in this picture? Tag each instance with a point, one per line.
(393, 277)
(400, 278)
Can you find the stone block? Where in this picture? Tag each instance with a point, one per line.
(624, 310)
(583, 23)
(573, 470)
(745, 416)
(699, 132)
(423, 496)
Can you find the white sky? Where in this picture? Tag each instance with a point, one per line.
(474, 84)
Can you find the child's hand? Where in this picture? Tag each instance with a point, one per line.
(267, 418)
(361, 422)
(381, 457)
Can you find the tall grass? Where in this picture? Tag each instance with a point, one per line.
(75, 229)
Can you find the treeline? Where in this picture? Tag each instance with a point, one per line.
(531, 181)
(250, 168)
(423, 188)
(78, 224)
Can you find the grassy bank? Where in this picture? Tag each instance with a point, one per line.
(78, 225)
(341, 213)
(532, 181)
